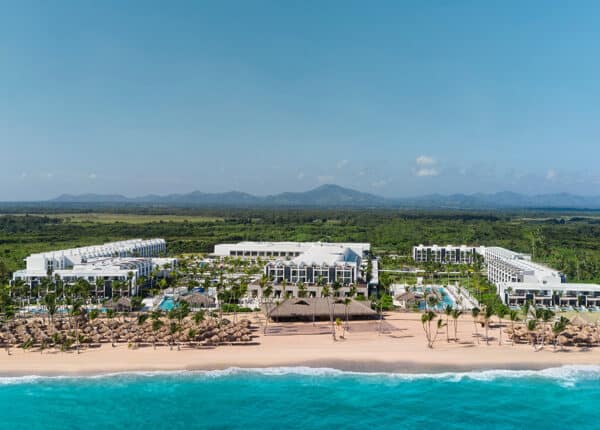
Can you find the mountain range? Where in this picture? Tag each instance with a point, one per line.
(336, 196)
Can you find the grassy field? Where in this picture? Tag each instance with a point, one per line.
(128, 218)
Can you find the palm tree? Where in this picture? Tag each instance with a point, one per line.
(487, 315)
(110, 314)
(157, 324)
(545, 315)
(475, 313)
(74, 313)
(558, 328)
(500, 313)
(326, 292)
(456, 313)
(267, 293)
(448, 312)
(141, 320)
(99, 284)
(430, 332)
(49, 301)
(346, 303)
(301, 289)
(531, 328)
(513, 316)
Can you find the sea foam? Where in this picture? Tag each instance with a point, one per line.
(566, 375)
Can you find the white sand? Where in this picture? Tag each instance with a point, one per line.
(402, 350)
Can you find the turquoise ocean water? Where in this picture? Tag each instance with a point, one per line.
(306, 398)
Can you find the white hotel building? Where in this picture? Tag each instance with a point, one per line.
(303, 263)
(109, 262)
(277, 250)
(449, 254)
(520, 280)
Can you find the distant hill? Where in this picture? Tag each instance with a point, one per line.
(336, 196)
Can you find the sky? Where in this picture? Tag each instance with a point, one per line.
(396, 98)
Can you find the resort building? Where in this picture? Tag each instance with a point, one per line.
(504, 265)
(449, 254)
(551, 295)
(520, 280)
(278, 250)
(325, 263)
(124, 261)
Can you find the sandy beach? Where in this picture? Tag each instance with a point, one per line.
(400, 348)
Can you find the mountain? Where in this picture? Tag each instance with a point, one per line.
(335, 196)
(325, 195)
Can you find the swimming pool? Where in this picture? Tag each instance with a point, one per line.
(167, 304)
(446, 300)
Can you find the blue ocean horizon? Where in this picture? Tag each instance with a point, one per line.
(307, 398)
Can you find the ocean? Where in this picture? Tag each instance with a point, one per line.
(305, 398)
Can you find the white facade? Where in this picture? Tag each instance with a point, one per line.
(504, 265)
(328, 263)
(574, 295)
(277, 250)
(109, 262)
(520, 280)
(449, 254)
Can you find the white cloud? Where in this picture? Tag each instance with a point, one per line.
(551, 174)
(23, 174)
(325, 179)
(50, 175)
(342, 163)
(92, 176)
(300, 176)
(425, 160)
(426, 166)
(425, 171)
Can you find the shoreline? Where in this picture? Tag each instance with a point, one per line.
(401, 349)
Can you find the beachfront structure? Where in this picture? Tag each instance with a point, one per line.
(280, 250)
(504, 265)
(321, 263)
(561, 295)
(114, 261)
(313, 309)
(449, 254)
(520, 280)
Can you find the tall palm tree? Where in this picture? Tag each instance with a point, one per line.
(546, 316)
(431, 332)
(500, 313)
(456, 313)
(513, 316)
(110, 314)
(531, 328)
(488, 313)
(267, 294)
(326, 293)
(346, 303)
(448, 312)
(557, 329)
(157, 324)
(141, 320)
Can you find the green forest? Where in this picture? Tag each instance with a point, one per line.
(570, 243)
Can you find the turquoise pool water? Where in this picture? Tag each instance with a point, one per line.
(307, 399)
(446, 300)
(167, 304)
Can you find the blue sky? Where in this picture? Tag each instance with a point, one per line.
(396, 98)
